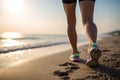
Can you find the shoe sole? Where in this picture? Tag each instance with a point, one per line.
(95, 54)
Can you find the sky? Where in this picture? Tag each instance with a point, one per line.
(47, 17)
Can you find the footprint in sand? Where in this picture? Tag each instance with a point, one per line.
(69, 68)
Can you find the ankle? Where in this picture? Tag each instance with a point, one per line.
(75, 52)
(92, 44)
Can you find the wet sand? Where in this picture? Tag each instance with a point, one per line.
(58, 67)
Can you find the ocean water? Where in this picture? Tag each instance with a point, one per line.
(17, 48)
(10, 41)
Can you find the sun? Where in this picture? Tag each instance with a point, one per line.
(14, 6)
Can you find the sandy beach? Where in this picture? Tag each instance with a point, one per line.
(58, 66)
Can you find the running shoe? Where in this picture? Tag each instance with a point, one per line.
(93, 55)
(75, 57)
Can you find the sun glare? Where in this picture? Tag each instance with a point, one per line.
(10, 42)
(8, 39)
(14, 6)
(10, 35)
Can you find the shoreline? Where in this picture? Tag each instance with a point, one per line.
(43, 68)
(31, 54)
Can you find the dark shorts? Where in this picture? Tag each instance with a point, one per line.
(73, 1)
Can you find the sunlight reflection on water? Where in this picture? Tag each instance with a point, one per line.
(11, 35)
(8, 39)
(10, 42)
